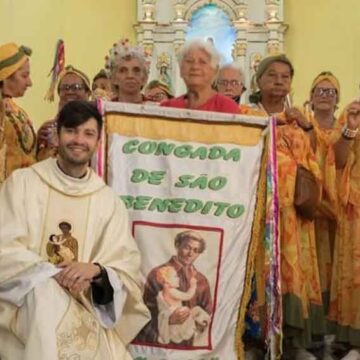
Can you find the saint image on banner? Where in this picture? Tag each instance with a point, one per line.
(62, 247)
(177, 292)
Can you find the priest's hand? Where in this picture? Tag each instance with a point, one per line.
(76, 276)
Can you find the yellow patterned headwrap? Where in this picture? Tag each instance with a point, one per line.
(12, 57)
(326, 75)
(71, 70)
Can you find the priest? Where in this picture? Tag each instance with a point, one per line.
(69, 268)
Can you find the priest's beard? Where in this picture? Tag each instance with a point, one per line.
(70, 160)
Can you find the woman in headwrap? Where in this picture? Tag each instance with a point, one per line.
(157, 91)
(72, 85)
(300, 284)
(344, 308)
(17, 135)
(324, 97)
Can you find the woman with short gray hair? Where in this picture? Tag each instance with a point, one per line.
(199, 65)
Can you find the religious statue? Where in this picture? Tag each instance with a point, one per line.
(163, 64)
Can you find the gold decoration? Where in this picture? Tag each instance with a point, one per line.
(255, 60)
(272, 9)
(163, 60)
(239, 49)
(148, 48)
(241, 10)
(179, 11)
(273, 46)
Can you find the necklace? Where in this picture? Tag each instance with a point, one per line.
(24, 131)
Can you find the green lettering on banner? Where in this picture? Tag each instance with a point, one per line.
(147, 147)
(200, 182)
(164, 148)
(235, 211)
(189, 206)
(200, 152)
(142, 202)
(159, 204)
(193, 205)
(216, 152)
(128, 200)
(139, 175)
(175, 205)
(217, 183)
(233, 154)
(220, 207)
(184, 180)
(130, 146)
(183, 151)
(152, 177)
(206, 209)
(156, 177)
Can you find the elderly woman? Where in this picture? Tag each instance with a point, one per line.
(129, 69)
(199, 65)
(72, 85)
(324, 97)
(17, 135)
(344, 311)
(301, 292)
(231, 81)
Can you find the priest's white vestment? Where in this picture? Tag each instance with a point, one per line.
(38, 318)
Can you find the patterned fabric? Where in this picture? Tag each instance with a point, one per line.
(300, 283)
(326, 220)
(272, 250)
(20, 138)
(344, 312)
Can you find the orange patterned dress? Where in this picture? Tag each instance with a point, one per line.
(19, 138)
(300, 282)
(344, 312)
(327, 216)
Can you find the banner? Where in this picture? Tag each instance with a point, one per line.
(190, 183)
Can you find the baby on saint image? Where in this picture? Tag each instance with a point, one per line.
(169, 299)
(58, 250)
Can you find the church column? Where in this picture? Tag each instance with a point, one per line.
(276, 28)
(179, 27)
(241, 25)
(145, 28)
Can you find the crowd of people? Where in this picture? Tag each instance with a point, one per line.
(320, 254)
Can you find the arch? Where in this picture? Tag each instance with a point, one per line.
(211, 22)
(228, 6)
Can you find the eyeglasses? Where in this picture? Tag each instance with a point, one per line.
(72, 87)
(157, 97)
(229, 82)
(327, 92)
